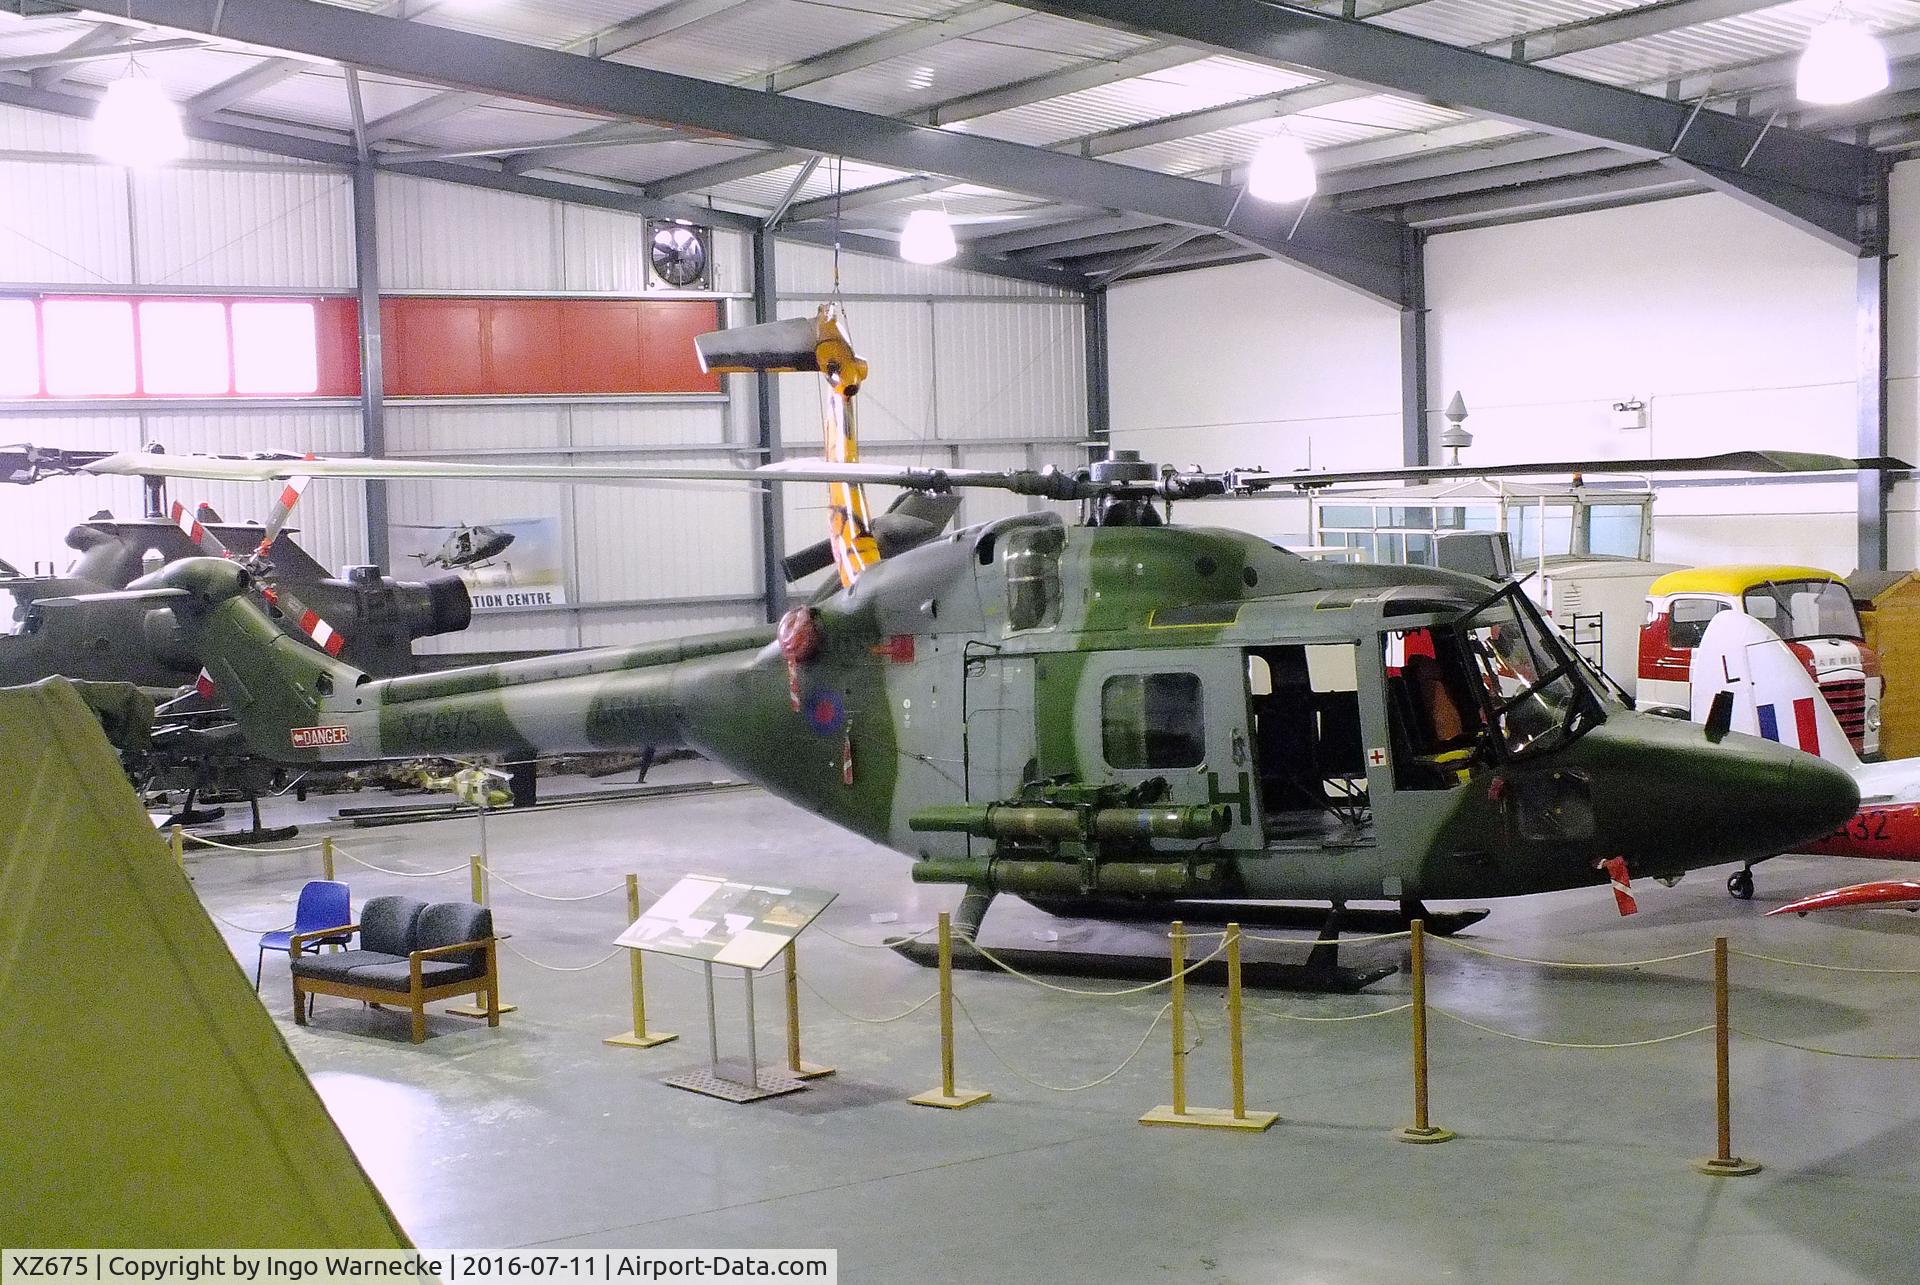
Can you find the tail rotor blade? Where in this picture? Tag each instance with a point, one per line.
(307, 620)
(207, 542)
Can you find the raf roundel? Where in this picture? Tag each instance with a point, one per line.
(825, 712)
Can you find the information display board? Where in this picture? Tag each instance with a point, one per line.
(721, 921)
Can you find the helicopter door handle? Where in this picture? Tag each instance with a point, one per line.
(1239, 749)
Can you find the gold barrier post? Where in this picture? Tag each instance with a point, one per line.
(179, 844)
(947, 1096)
(1237, 1116)
(1723, 1163)
(1422, 1129)
(639, 1037)
(798, 1069)
(326, 858)
(477, 870)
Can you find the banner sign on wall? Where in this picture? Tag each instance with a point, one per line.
(507, 563)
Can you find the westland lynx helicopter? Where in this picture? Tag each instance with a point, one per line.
(1114, 713)
(467, 548)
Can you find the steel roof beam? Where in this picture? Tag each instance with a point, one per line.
(1812, 182)
(1104, 243)
(1546, 42)
(1635, 181)
(967, 260)
(71, 56)
(604, 43)
(344, 155)
(1072, 229)
(273, 71)
(1092, 74)
(1357, 252)
(909, 38)
(100, 37)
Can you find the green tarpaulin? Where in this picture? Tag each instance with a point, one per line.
(146, 1097)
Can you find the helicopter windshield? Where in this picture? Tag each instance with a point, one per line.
(1536, 697)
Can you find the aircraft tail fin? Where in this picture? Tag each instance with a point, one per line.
(1773, 695)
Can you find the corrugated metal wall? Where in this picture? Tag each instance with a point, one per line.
(968, 371)
(642, 561)
(225, 220)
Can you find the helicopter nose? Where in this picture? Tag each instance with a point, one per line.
(1816, 791)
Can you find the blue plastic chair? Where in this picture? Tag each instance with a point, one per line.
(324, 903)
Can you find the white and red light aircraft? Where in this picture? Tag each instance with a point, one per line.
(1773, 697)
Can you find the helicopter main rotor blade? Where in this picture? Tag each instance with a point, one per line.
(1052, 484)
(1771, 462)
(1055, 485)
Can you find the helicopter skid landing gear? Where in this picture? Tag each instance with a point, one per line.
(1740, 883)
(259, 833)
(1321, 974)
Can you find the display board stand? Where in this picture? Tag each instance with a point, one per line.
(712, 1082)
(737, 925)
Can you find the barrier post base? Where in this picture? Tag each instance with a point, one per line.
(1731, 1167)
(640, 1040)
(954, 1101)
(1212, 1118)
(478, 1010)
(808, 1071)
(1432, 1133)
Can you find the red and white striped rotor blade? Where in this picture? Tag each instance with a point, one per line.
(208, 542)
(307, 620)
(282, 508)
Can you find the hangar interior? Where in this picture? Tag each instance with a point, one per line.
(430, 229)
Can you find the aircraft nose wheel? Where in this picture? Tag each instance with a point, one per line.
(1740, 884)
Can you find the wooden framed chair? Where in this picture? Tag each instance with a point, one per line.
(410, 954)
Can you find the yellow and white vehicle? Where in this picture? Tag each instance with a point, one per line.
(1809, 608)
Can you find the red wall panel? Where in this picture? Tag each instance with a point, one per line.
(530, 347)
(336, 326)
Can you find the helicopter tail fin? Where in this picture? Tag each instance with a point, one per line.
(274, 685)
(1773, 695)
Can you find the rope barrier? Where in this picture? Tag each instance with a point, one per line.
(404, 874)
(563, 968)
(868, 1021)
(201, 841)
(242, 927)
(1810, 1048)
(997, 962)
(604, 892)
(1297, 941)
(1064, 1088)
(1572, 963)
(1825, 968)
(886, 944)
(1559, 1044)
(1349, 1017)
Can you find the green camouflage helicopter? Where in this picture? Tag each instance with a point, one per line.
(1114, 713)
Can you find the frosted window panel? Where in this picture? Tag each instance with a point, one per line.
(89, 346)
(274, 348)
(183, 346)
(19, 349)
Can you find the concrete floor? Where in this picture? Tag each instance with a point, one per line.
(1571, 1165)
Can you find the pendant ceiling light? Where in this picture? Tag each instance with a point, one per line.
(1282, 171)
(1843, 63)
(137, 125)
(927, 238)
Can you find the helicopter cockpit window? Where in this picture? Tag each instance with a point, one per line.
(1033, 576)
(1435, 717)
(1534, 692)
(1152, 721)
